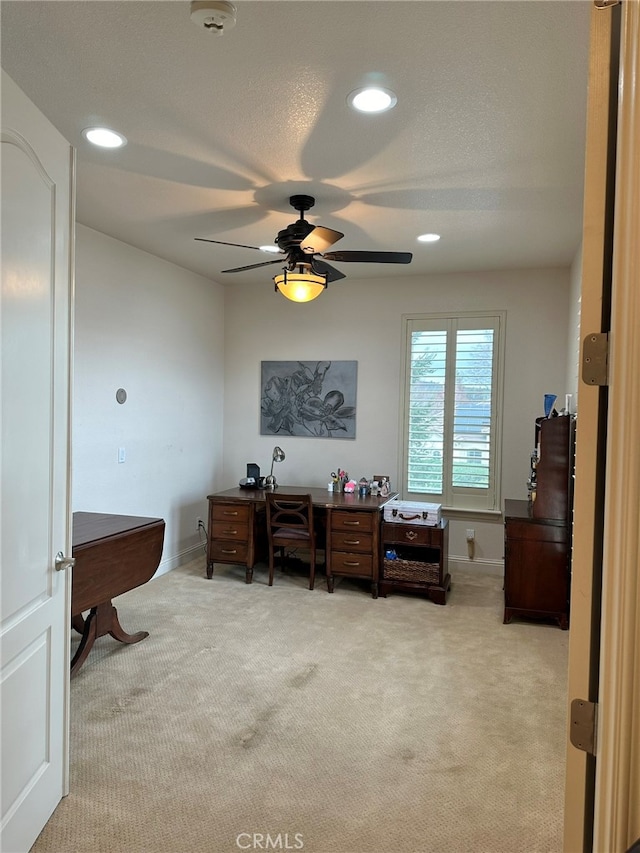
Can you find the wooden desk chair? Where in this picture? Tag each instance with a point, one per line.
(290, 524)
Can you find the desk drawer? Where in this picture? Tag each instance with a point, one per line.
(235, 512)
(238, 531)
(353, 541)
(228, 552)
(343, 563)
(411, 534)
(353, 521)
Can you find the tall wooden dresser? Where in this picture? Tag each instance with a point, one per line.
(537, 545)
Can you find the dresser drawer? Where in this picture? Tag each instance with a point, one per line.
(343, 563)
(230, 512)
(536, 531)
(353, 521)
(409, 534)
(234, 530)
(228, 552)
(352, 541)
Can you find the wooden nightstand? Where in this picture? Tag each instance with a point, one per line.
(421, 562)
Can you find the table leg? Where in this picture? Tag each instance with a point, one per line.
(102, 620)
(86, 643)
(77, 623)
(118, 632)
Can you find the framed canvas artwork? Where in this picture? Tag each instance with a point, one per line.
(315, 399)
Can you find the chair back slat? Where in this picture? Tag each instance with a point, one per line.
(290, 522)
(289, 512)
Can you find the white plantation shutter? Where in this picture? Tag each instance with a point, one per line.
(472, 408)
(428, 362)
(452, 388)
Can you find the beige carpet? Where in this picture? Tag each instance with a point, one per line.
(328, 723)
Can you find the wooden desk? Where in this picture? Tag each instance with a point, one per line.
(237, 531)
(113, 554)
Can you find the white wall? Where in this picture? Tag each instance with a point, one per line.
(188, 353)
(361, 320)
(157, 331)
(573, 331)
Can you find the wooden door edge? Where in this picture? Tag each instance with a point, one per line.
(617, 802)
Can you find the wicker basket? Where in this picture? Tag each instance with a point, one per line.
(413, 571)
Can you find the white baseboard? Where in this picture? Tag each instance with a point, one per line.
(185, 556)
(488, 567)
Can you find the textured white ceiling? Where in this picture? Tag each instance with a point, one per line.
(485, 145)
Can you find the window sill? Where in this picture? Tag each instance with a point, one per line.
(452, 512)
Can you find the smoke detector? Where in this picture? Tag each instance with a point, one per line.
(216, 16)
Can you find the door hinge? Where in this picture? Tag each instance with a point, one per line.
(584, 715)
(605, 4)
(595, 359)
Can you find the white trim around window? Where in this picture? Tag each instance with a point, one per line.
(451, 409)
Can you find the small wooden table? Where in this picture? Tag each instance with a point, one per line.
(113, 554)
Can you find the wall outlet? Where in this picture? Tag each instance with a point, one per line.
(199, 524)
(471, 534)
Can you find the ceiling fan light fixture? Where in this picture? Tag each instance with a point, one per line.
(372, 99)
(301, 286)
(272, 248)
(429, 238)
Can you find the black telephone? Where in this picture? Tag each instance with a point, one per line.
(253, 480)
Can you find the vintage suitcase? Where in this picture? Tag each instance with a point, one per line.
(412, 512)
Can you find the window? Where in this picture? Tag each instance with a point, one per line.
(453, 387)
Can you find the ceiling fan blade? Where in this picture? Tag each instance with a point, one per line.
(254, 266)
(326, 269)
(370, 257)
(319, 239)
(222, 243)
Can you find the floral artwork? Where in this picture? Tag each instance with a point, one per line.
(309, 398)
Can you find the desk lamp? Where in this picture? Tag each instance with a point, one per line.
(277, 456)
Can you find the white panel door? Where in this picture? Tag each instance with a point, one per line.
(37, 230)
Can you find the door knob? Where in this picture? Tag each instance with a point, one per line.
(63, 562)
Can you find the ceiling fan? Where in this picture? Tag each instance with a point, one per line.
(305, 248)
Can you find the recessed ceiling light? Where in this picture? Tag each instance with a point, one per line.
(429, 238)
(372, 99)
(270, 248)
(103, 137)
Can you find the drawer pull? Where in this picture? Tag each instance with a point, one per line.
(352, 562)
(230, 532)
(229, 512)
(229, 551)
(410, 534)
(351, 523)
(351, 541)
